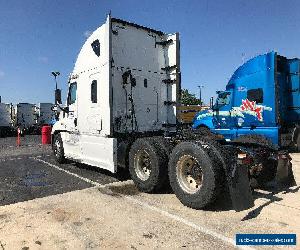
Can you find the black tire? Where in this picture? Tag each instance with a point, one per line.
(298, 143)
(58, 148)
(220, 155)
(154, 156)
(212, 172)
(163, 143)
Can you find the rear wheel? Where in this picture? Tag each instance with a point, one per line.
(148, 165)
(195, 177)
(298, 142)
(58, 149)
(189, 174)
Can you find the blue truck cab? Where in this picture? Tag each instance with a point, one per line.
(262, 98)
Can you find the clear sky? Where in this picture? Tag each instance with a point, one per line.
(39, 36)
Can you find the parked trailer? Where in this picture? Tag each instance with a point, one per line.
(26, 117)
(186, 113)
(121, 113)
(6, 119)
(45, 113)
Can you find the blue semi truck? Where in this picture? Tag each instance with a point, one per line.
(262, 99)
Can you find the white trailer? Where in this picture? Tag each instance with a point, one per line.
(25, 116)
(45, 113)
(6, 118)
(121, 112)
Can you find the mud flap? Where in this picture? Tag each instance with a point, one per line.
(239, 188)
(284, 174)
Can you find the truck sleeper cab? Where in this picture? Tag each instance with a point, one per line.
(119, 86)
(261, 98)
(121, 112)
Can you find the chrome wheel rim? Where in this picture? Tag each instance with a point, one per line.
(189, 174)
(142, 165)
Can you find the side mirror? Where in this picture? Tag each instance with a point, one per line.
(58, 96)
(211, 103)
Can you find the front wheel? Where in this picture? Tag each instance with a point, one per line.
(58, 149)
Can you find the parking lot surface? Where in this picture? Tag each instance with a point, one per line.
(45, 205)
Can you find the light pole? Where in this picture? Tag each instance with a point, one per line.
(200, 94)
(57, 91)
(55, 74)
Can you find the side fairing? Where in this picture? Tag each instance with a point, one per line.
(145, 76)
(288, 81)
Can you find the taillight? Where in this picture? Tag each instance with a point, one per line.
(244, 159)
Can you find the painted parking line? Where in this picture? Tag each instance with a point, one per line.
(25, 145)
(70, 173)
(22, 158)
(27, 179)
(164, 213)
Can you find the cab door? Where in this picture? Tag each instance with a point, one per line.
(71, 139)
(253, 108)
(225, 116)
(97, 149)
(94, 116)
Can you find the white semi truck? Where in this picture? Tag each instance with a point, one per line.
(6, 119)
(121, 113)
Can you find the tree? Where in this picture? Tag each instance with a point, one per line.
(188, 98)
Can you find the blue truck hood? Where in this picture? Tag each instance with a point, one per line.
(205, 114)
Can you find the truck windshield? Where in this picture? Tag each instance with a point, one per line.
(223, 99)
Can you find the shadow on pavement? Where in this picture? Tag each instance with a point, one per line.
(121, 175)
(271, 197)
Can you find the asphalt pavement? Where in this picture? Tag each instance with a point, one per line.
(24, 177)
(46, 205)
